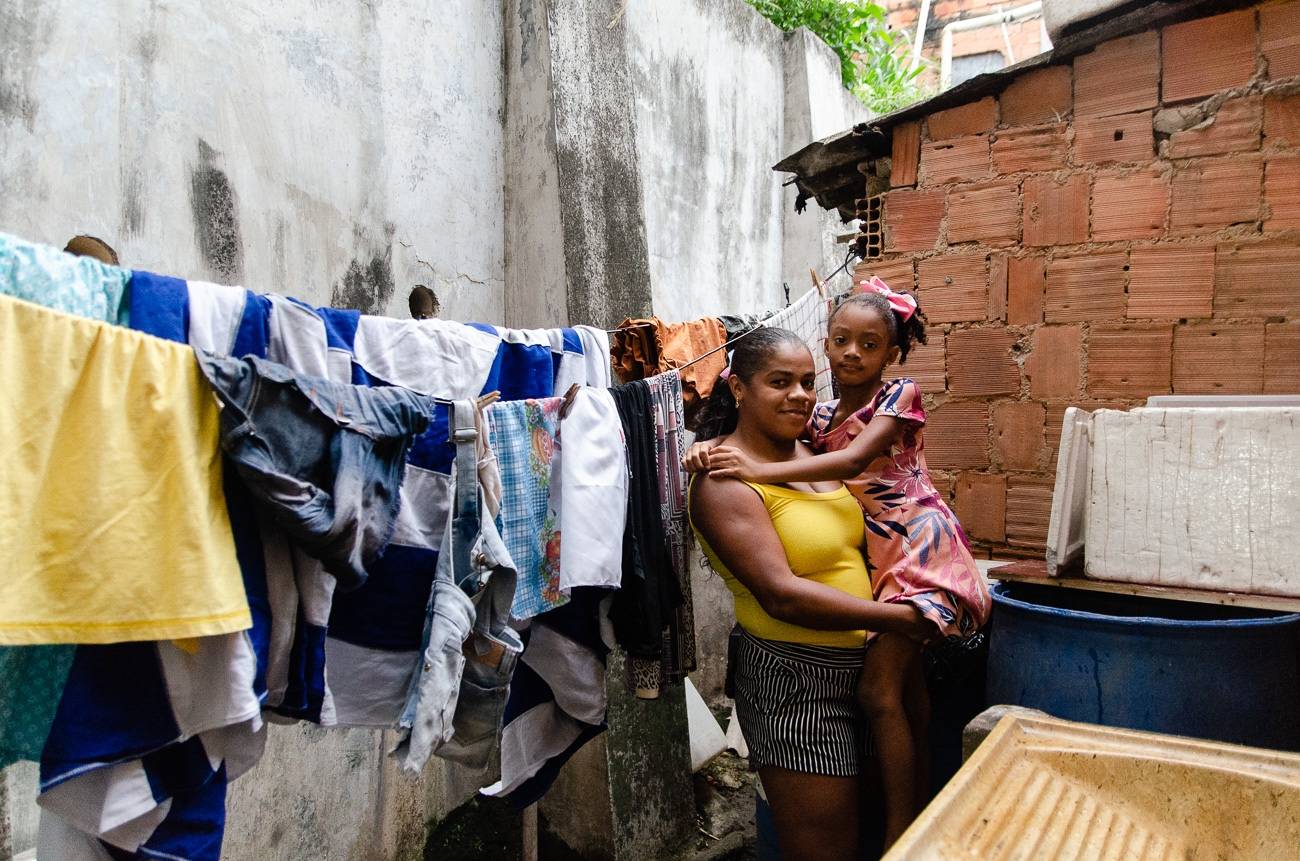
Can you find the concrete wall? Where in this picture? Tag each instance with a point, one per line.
(816, 106)
(336, 153)
(721, 95)
(707, 82)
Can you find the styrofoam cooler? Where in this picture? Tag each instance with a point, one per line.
(1196, 498)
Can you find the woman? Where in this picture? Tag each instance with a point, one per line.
(792, 557)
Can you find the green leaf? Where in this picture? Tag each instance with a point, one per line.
(871, 55)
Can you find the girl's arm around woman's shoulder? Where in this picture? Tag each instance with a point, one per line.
(841, 465)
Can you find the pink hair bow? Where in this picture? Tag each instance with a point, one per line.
(903, 304)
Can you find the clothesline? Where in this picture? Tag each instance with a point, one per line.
(848, 258)
(761, 324)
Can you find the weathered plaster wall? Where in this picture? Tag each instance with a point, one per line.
(335, 153)
(720, 95)
(536, 291)
(707, 83)
(816, 106)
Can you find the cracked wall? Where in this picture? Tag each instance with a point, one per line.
(338, 155)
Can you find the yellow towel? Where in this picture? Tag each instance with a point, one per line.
(113, 523)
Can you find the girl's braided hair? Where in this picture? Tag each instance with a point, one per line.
(903, 333)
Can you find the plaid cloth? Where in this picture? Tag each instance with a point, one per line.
(808, 317)
(523, 437)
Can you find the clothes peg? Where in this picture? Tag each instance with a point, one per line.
(568, 400)
(485, 401)
(817, 282)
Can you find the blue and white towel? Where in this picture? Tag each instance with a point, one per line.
(144, 765)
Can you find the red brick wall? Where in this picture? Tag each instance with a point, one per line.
(1085, 238)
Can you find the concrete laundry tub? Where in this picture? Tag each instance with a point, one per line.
(1039, 787)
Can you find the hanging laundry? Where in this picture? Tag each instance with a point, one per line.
(643, 348)
(289, 595)
(670, 448)
(178, 723)
(324, 459)
(31, 682)
(32, 677)
(545, 493)
(81, 510)
(64, 282)
(457, 700)
(128, 748)
(186, 830)
(592, 495)
(523, 437)
(450, 361)
(374, 632)
(558, 698)
(525, 362)
(738, 324)
(118, 733)
(651, 590)
(808, 317)
(584, 361)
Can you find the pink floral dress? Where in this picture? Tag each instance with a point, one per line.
(916, 550)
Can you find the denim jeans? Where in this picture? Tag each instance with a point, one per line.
(324, 459)
(458, 694)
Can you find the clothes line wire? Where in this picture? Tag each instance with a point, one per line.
(762, 324)
(843, 267)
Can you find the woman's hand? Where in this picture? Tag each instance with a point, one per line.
(730, 462)
(697, 456)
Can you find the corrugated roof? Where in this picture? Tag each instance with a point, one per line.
(833, 170)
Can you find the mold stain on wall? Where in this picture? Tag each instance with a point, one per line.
(216, 217)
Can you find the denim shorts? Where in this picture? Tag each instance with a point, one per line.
(325, 460)
(456, 704)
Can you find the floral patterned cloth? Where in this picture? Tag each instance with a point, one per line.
(916, 550)
(523, 437)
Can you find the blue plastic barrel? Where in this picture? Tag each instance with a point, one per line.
(1201, 670)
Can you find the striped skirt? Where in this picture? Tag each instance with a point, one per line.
(797, 706)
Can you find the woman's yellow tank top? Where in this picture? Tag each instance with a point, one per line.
(822, 536)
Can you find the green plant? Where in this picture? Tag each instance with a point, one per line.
(871, 62)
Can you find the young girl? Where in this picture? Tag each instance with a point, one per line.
(872, 441)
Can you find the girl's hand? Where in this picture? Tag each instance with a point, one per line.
(728, 462)
(697, 456)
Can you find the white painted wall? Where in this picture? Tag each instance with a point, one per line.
(816, 106)
(361, 142)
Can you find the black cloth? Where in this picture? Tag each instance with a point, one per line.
(738, 324)
(649, 591)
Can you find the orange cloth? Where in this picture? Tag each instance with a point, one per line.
(643, 348)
